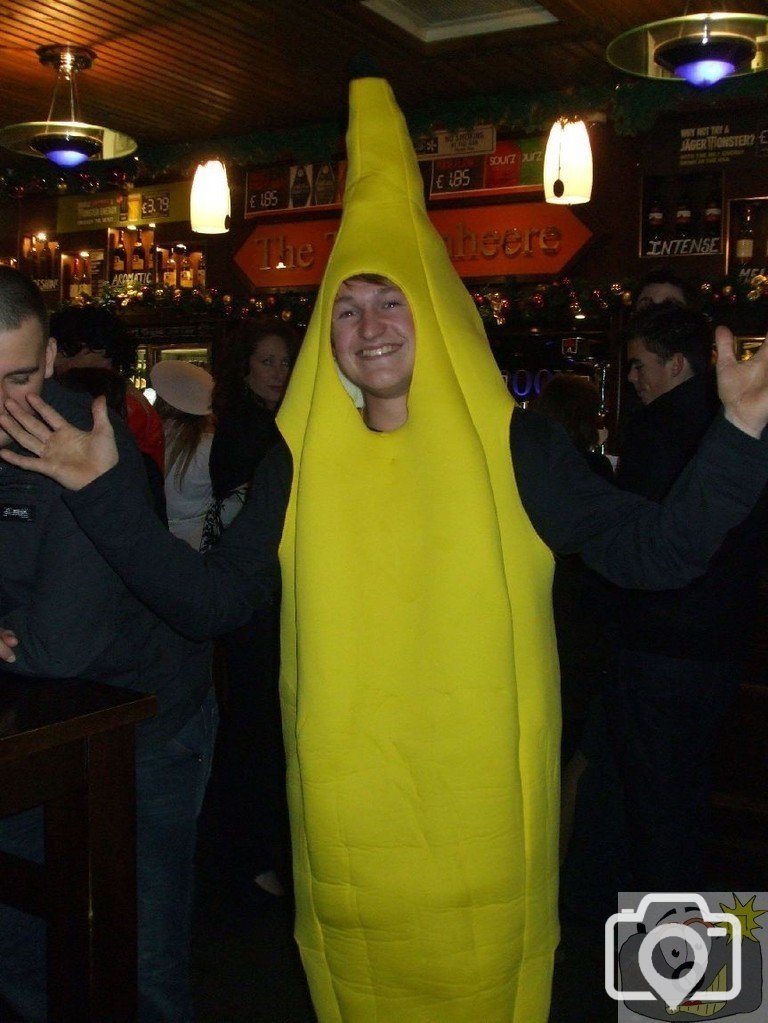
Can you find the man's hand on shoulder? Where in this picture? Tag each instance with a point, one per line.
(74, 458)
(742, 386)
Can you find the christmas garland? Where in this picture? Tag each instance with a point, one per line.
(561, 304)
(633, 107)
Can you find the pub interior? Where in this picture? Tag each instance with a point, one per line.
(678, 182)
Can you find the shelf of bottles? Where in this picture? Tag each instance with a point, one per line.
(137, 259)
(748, 238)
(682, 215)
(40, 257)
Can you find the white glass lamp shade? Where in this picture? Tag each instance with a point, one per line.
(209, 204)
(568, 164)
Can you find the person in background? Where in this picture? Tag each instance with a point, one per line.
(73, 617)
(184, 404)
(680, 654)
(249, 776)
(661, 285)
(580, 597)
(93, 336)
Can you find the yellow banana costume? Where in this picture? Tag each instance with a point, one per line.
(419, 679)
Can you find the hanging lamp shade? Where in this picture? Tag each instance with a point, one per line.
(568, 163)
(64, 138)
(210, 204)
(698, 48)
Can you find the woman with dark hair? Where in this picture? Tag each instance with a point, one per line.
(250, 774)
(246, 395)
(184, 404)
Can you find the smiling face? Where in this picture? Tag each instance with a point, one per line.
(373, 340)
(26, 359)
(268, 370)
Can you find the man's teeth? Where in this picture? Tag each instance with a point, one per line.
(372, 353)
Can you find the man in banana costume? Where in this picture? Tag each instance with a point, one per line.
(419, 675)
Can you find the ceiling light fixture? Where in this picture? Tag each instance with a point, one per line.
(699, 48)
(209, 202)
(63, 138)
(568, 163)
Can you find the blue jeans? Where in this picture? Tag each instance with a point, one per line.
(170, 785)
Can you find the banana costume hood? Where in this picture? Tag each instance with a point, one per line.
(419, 679)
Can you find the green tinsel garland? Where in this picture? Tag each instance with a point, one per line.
(633, 107)
(564, 304)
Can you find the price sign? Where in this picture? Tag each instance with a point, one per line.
(460, 174)
(266, 190)
(155, 205)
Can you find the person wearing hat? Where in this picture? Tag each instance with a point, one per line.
(184, 405)
(418, 670)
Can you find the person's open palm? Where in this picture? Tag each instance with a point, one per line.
(72, 457)
(742, 385)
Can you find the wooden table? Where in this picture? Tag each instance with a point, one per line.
(69, 746)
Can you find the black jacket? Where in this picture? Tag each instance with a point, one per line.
(711, 619)
(73, 615)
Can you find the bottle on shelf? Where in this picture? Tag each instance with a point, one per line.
(33, 258)
(86, 280)
(152, 257)
(138, 256)
(745, 238)
(300, 187)
(683, 216)
(46, 259)
(325, 186)
(186, 278)
(201, 271)
(76, 277)
(118, 255)
(655, 219)
(169, 271)
(713, 211)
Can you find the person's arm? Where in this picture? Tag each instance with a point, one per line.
(199, 595)
(626, 538)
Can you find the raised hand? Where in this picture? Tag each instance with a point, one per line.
(72, 457)
(742, 386)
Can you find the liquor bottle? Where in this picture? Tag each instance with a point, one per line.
(683, 217)
(745, 239)
(201, 272)
(76, 278)
(325, 186)
(138, 255)
(186, 279)
(46, 260)
(118, 256)
(300, 187)
(169, 272)
(655, 220)
(152, 259)
(86, 285)
(713, 212)
(33, 258)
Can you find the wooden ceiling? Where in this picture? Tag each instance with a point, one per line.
(169, 71)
